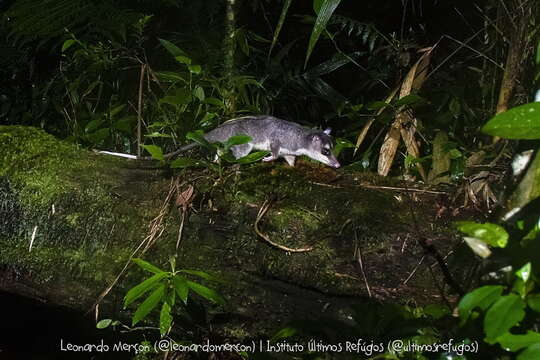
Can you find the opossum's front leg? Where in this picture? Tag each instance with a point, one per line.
(274, 152)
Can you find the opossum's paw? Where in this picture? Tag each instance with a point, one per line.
(268, 158)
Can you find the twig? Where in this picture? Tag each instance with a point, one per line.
(403, 189)
(414, 271)
(358, 256)
(264, 208)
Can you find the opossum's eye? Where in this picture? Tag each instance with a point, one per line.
(325, 152)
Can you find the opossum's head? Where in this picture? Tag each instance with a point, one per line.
(319, 147)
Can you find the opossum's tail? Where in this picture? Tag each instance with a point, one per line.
(174, 153)
(166, 156)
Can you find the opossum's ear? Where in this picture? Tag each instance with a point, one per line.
(327, 131)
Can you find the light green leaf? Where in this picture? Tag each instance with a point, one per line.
(325, 12)
(520, 122)
(165, 319)
(530, 353)
(214, 101)
(511, 342)
(67, 44)
(198, 137)
(481, 297)
(182, 59)
(409, 100)
(147, 266)
(281, 20)
(525, 272)
(205, 292)
(138, 290)
(171, 48)
(253, 157)
(181, 288)
(198, 92)
(155, 151)
(491, 234)
(236, 140)
(195, 69)
(506, 312)
(105, 323)
(149, 304)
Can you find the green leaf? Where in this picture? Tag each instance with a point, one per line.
(195, 69)
(530, 353)
(171, 76)
(214, 101)
(198, 137)
(511, 342)
(102, 324)
(185, 162)
(181, 287)
(145, 265)
(284, 333)
(171, 48)
(236, 140)
(491, 234)
(521, 122)
(437, 311)
(137, 291)
(409, 100)
(376, 105)
(325, 12)
(203, 274)
(534, 302)
(67, 44)
(506, 312)
(165, 319)
(183, 59)
(205, 292)
(198, 92)
(525, 272)
(149, 304)
(281, 20)
(253, 157)
(481, 297)
(155, 151)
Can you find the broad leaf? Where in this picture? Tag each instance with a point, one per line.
(505, 313)
(147, 266)
(236, 140)
(138, 290)
(205, 292)
(171, 48)
(511, 342)
(181, 288)
(534, 302)
(325, 12)
(195, 69)
(491, 234)
(67, 44)
(165, 319)
(481, 297)
(198, 137)
(530, 353)
(253, 157)
(203, 274)
(521, 122)
(155, 151)
(105, 323)
(149, 304)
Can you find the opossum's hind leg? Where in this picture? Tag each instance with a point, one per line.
(274, 149)
(290, 159)
(240, 151)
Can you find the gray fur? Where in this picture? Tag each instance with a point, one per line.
(283, 138)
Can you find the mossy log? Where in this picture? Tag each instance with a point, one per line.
(70, 219)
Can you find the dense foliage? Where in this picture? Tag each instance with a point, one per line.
(130, 76)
